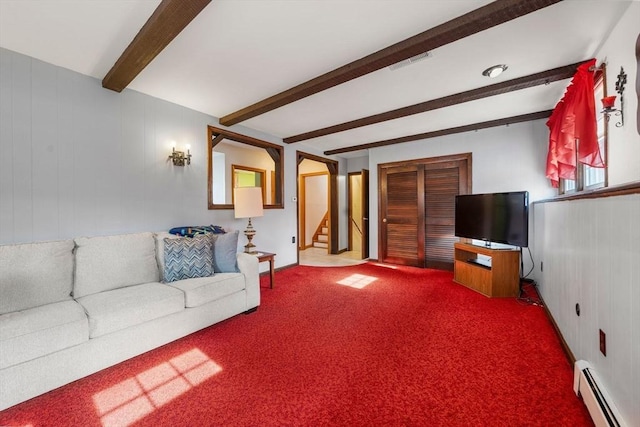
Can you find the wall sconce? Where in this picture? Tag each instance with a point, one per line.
(608, 102)
(178, 157)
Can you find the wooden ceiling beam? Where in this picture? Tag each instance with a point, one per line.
(166, 22)
(544, 77)
(443, 132)
(491, 15)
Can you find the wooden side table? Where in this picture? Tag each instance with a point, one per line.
(267, 256)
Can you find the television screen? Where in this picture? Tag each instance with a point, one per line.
(495, 217)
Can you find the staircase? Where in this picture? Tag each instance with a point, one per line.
(321, 236)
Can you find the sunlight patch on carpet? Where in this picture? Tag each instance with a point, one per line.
(134, 398)
(357, 281)
(392, 267)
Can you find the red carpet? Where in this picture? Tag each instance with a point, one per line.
(410, 348)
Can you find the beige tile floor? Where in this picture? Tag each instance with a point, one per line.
(318, 257)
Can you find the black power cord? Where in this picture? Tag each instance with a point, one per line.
(524, 296)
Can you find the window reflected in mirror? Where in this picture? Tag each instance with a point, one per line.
(245, 176)
(240, 161)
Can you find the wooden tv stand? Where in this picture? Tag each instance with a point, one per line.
(499, 278)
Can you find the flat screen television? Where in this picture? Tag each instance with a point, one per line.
(494, 217)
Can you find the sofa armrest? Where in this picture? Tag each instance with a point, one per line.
(248, 265)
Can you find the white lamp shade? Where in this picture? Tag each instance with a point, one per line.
(247, 202)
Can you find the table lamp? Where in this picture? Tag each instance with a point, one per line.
(247, 203)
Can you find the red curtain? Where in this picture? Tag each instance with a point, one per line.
(574, 118)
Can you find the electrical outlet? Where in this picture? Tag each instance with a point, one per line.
(541, 266)
(293, 239)
(603, 343)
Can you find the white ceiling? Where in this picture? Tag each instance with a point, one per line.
(236, 53)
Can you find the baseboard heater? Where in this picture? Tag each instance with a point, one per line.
(600, 405)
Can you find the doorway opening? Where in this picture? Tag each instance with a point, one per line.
(313, 172)
(358, 213)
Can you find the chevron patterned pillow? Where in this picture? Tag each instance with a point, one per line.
(187, 257)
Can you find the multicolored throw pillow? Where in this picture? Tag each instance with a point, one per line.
(187, 257)
(195, 230)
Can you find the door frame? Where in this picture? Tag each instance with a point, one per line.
(332, 167)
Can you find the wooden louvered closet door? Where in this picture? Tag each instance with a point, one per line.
(401, 215)
(442, 182)
(416, 215)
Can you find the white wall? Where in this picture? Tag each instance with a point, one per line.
(77, 159)
(316, 203)
(590, 253)
(356, 164)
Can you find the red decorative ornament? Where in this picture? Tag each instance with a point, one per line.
(608, 102)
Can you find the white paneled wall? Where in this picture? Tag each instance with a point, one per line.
(591, 254)
(77, 159)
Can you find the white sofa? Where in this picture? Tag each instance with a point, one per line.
(71, 308)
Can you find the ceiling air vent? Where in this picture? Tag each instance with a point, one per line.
(410, 61)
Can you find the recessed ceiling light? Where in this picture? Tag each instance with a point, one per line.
(494, 71)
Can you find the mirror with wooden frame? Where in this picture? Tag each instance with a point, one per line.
(240, 160)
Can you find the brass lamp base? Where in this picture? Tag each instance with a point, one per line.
(250, 248)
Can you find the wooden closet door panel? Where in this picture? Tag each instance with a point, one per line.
(401, 216)
(442, 184)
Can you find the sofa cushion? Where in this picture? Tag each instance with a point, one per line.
(206, 289)
(35, 274)
(119, 309)
(225, 248)
(187, 257)
(111, 262)
(41, 330)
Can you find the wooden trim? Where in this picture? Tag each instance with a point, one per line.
(537, 79)
(618, 190)
(430, 160)
(301, 212)
(600, 75)
(480, 19)
(215, 135)
(166, 22)
(238, 137)
(301, 156)
(443, 132)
